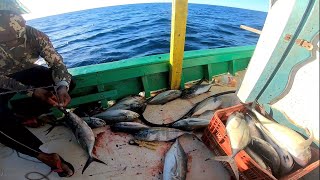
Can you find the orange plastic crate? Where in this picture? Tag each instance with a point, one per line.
(217, 141)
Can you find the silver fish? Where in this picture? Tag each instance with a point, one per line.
(287, 139)
(159, 134)
(196, 90)
(286, 160)
(255, 157)
(209, 104)
(128, 127)
(165, 97)
(84, 136)
(132, 103)
(175, 163)
(94, 122)
(114, 116)
(268, 153)
(191, 124)
(239, 135)
(254, 130)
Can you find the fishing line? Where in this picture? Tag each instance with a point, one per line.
(19, 142)
(19, 155)
(44, 176)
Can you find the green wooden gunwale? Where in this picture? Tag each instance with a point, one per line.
(114, 80)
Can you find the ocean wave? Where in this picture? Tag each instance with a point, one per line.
(122, 32)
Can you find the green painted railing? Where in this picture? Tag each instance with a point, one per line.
(114, 80)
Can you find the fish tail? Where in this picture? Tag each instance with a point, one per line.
(89, 161)
(231, 161)
(309, 141)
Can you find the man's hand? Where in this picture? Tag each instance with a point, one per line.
(63, 96)
(45, 96)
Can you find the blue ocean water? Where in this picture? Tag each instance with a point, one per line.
(120, 32)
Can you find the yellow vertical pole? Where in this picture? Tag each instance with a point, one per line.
(178, 33)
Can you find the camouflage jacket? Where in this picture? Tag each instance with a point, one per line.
(23, 56)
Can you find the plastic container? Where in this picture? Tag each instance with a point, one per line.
(217, 141)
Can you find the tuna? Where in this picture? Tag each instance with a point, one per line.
(209, 104)
(165, 97)
(84, 136)
(133, 103)
(175, 163)
(196, 90)
(267, 152)
(159, 134)
(94, 122)
(114, 116)
(191, 124)
(128, 127)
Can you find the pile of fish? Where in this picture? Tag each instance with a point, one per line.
(125, 116)
(271, 145)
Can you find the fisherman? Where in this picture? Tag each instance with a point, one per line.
(20, 46)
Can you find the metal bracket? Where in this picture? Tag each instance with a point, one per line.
(305, 44)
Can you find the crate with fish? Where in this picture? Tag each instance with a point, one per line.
(251, 146)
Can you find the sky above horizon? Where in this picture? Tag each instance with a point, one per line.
(43, 8)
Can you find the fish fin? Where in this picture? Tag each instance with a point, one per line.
(309, 141)
(89, 161)
(49, 129)
(231, 161)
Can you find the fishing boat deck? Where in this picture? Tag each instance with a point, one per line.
(124, 161)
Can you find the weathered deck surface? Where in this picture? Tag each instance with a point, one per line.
(124, 161)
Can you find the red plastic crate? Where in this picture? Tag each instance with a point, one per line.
(217, 141)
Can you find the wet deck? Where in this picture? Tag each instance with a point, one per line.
(124, 161)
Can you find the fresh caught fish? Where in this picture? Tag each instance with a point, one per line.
(255, 157)
(229, 100)
(239, 135)
(128, 127)
(196, 90)
(114, 116)
(159, 134)
(175, 163)
(287, 139)
(286, 160)
(165, 97)
(133, 103)
(209, 104)
(84, 136)
(191, 124)
(268, 153)
(254, 130)
(94, 122)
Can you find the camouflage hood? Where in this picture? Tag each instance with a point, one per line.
(12, 28)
